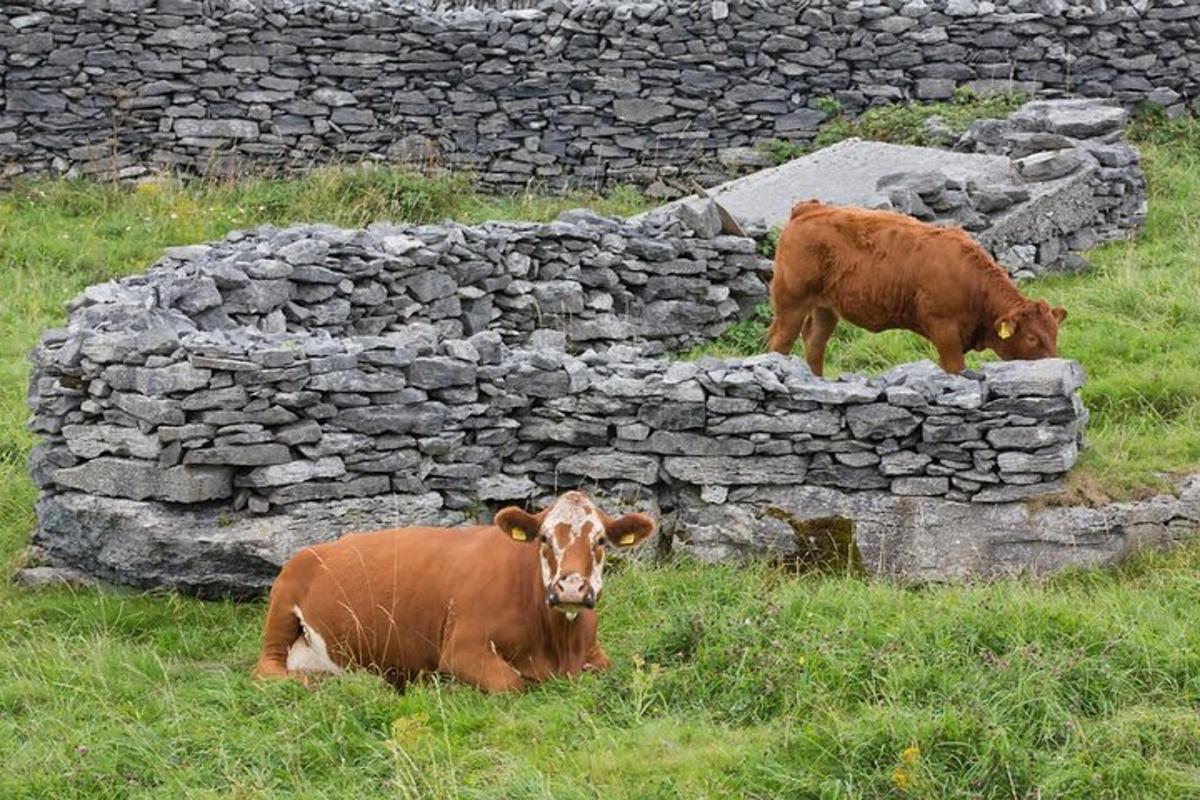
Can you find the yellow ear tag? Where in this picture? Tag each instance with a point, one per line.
(628, 538)
(518, 534)
(1005, 330)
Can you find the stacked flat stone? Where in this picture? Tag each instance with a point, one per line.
(1077, 145)
(582, 92)
(657, 282)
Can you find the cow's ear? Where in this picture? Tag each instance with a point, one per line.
(1006, 327)
(1059, 314)
(629, 530)
(519, 523)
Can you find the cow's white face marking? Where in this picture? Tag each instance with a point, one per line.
(572, 527)
(308, 653)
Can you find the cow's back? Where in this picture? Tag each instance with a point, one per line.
(385, 599)
(875, 269)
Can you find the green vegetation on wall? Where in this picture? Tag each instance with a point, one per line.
(926, 124)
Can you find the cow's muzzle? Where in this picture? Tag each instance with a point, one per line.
(571, 592)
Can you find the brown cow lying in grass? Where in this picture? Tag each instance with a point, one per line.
(882, 270)
(496, 606)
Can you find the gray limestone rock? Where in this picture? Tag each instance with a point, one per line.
(154, 544)
(156, 411)
(722, 470)
(1054, 460)
(155, 382)
(90, 441)
(1048, 377)
(880, 421)
(640, 111)
(53, 578)
(438, 373)
(505, 487)
(923, 539)
(374, 420)
(364, 486)
(1077, 118)
(139, 480)
(285, 473)
(244, 456)
(596, 466)
(1049, 165)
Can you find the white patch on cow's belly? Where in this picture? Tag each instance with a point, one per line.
(308, 653)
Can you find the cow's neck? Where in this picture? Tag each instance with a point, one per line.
(999, 298)
(567, 640)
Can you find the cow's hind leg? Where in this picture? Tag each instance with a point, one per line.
(785, 328)
(280, 631)
(817, 330)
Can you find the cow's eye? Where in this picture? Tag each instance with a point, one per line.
(602, 541)
(545, 539)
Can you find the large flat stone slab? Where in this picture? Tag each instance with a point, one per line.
(210, 551)
(1025, 223)
(845, 173)
(207, 550)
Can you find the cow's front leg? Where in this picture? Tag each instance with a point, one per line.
(948, 342)
(597, 659)
(482, 667)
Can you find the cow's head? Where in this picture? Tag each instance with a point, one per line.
(573, 536)
(1029, 332)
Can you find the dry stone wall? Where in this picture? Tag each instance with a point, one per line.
(228, 426)
(195, 434)
(268, 420)
(563, 92)
(665, 283)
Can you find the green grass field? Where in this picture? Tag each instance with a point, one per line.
(727, 682)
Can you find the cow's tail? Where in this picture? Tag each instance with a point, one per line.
(280, 630)
(804, 206)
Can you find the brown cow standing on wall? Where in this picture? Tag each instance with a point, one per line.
(496, 606)
(882, 270)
